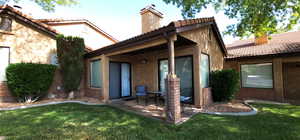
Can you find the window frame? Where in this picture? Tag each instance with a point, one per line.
(193, 78)
(241, 80)
(90, 75)
(8, 57)
(209, 68)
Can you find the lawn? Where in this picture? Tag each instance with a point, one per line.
(75, 121)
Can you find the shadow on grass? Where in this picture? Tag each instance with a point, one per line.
(75, 121)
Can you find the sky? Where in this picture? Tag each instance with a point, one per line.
(121, 18)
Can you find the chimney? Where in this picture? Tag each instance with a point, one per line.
(261, 40)
(150, 18)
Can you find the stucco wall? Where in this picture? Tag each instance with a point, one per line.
(26, 45)
(147, 73)
(92, 38)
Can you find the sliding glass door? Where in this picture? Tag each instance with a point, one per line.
(184, 70)
(119, 80)
(125, 80)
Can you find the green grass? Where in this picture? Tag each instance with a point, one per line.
(75, 121)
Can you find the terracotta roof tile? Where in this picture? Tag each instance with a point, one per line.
(278, 44)
(28, 19)
(181, 23)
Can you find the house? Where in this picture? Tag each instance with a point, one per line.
(23, 39)
(180, 54)
(94, 37)
(269, 68)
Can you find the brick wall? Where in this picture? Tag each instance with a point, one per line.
(173, 111)
(4, 93)
(256, 93)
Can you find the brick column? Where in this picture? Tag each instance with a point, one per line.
(172, 108)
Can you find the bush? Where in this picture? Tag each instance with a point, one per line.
(70, 51)
(225, 84)
(28, 81)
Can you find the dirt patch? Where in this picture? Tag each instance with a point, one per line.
(16, 104)
(234, 106)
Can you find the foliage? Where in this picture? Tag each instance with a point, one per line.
(255, 17)
(29, 80)
(224, 83)
(75, 121)
(47, 5)
(70, 51)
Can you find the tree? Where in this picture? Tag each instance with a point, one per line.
(70, 51)
(47, 5)
(255, 17)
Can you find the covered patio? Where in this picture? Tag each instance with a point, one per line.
(173, 60)
(152, 64)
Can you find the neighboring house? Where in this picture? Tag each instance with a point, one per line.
(23, 39)
(269, 68)
(94, 37)
(195, 45)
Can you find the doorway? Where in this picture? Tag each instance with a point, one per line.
(291, 82)
(119, 80)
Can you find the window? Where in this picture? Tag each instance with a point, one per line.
(54, 59)
(257, 75)
(5, 23)
(96, 76)
(184, 70)
(4, 61)
(204, 70)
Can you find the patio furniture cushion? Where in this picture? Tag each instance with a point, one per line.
(141, 90)
(185, 99)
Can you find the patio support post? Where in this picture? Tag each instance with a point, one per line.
(172, 110)
(105, 77)
(278, 79)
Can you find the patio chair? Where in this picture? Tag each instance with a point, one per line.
(141, 92)
(184, 101)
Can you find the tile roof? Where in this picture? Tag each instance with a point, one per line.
(28, 19)
(187, 22)
(170, 28)
(284, 43)
(76, 21)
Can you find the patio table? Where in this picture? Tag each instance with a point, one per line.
(156, 94)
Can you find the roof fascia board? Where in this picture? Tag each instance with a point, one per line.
(29, 22)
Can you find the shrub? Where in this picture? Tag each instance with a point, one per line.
(28, 81)
(225, 84)
(70, 51)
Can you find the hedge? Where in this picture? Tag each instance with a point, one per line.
(29, 80)
(70, 51)
(225, 84)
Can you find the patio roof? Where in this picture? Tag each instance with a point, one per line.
(173, 28)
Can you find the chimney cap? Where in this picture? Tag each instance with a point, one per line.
(151, 8)
(17, 6)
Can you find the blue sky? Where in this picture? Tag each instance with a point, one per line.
(120, 18)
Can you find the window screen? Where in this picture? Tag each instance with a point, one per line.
(257, 75)
(96, 77)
